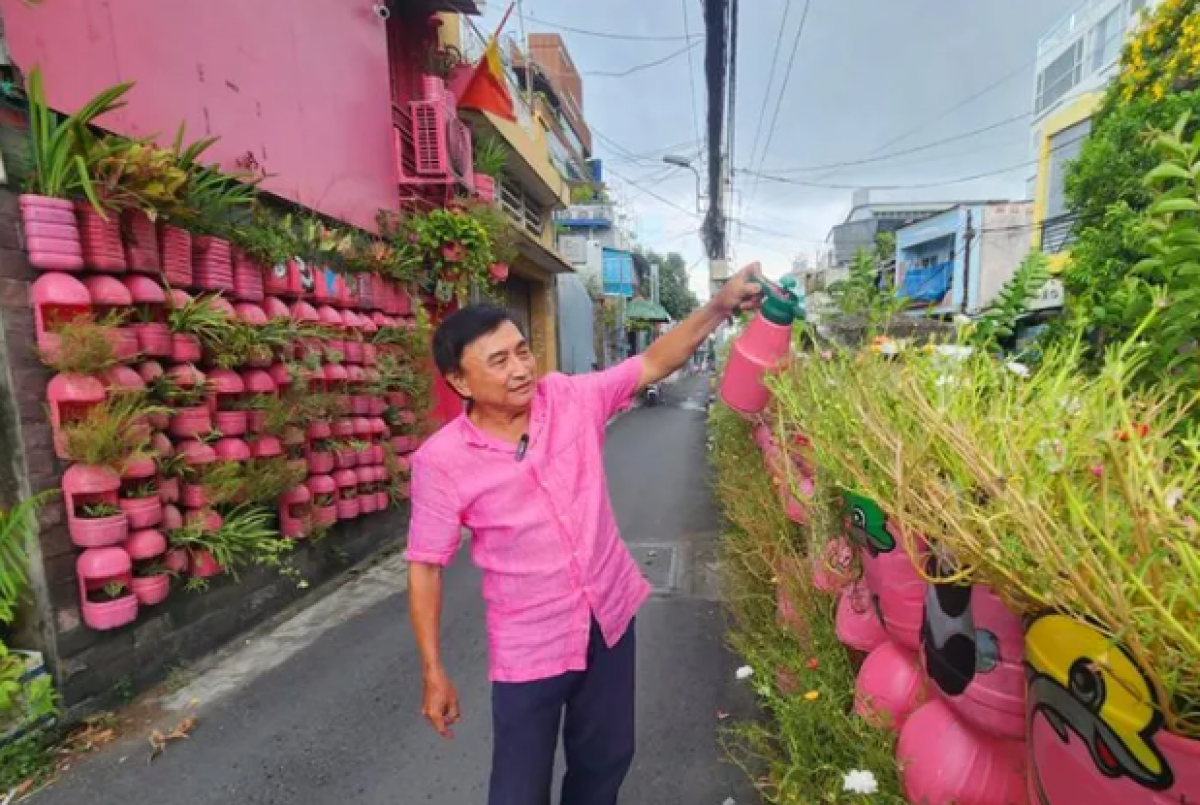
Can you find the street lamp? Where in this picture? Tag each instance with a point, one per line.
(683, 162)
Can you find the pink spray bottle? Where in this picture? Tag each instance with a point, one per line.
(766, 343)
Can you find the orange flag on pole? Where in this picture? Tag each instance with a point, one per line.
(488, 90)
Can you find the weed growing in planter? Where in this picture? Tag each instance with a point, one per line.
(85, 347)
(263, 480)
(112, 433)
(201, 318)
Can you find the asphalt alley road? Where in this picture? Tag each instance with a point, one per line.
(338, 721)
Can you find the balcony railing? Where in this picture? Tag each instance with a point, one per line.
(526, 213)
(1058, 233)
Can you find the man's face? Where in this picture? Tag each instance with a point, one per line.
(498, 370)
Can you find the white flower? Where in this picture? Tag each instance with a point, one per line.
(1072, 406)
(1174, 496)
(889, 348)
(745, 672)
(958, 352)
(860, 782)
(1018, 369)
(961, 320)
(945, 381)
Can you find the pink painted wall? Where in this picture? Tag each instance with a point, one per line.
(302, 85)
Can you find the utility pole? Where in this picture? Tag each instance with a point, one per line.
(655, 278)
(968, 237)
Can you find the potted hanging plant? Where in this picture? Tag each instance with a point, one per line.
(197, 324)
(60, 176)
(490, 159)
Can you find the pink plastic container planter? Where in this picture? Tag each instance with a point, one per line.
(294, 506)
(143, 512)
(897, 587)
(260, 384)
(191, 423)
(70, 397)
(857, 625)
(90, 486)
(321, 462)
(347, 496)
(228, 389)
(366, 493)
(110, 297)
(51, 233)
(247, 278)
(149, 299)
(145, 546)
(1095, 733)
(890, 686)
(168, 490)
(185, 348)
(203, 565)
(974, 653)
(175, 255)
(140, 238)
(266, 447)
(945, 762)
(100, 239)
(323, 488)
(95, 569)
(177, 561)
(57, 299)
(212, 266)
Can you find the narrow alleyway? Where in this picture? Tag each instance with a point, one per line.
(338, 723)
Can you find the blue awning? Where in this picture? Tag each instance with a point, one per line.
(929, 284)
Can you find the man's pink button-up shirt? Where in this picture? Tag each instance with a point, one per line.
(542, 528)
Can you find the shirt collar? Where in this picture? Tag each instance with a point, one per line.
(474, 437)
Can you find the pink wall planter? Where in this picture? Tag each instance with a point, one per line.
(175, 253)
(141, 242)
(168, 490)
(293, 512)
(324, 491)
(321, 462)
(974, 652)
(177, 561)
(143, 512)
(945, 762)
(88, 491)
(857, 625)
(190, 423)
(194, 496)
(185, 348)
(319, 430)
(202, 565)
(96, 569)
(70, 398)
(347, 501)
(228, 388)
(100, 239)
(266, 447)
(232, 450)
(890, 686)
(172, 518)
(405, 444)
(1095, 734)
(51, 233)
(348, 509)
(151, 590)
(110, 296)
(154, 337)
(57, 299)
(247, 278)
(345, 458)
(212, 264)
(485, 188)
(343, 428)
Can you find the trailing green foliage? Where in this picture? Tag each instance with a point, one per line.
(999, 321)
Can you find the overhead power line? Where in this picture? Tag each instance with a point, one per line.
(613, 34)
(762, 113)
(640, 67)
(787, 77)
(907, 151)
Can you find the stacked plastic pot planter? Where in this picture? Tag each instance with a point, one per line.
(122, 519)
(989, 708)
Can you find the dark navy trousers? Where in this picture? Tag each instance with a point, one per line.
(597, 731)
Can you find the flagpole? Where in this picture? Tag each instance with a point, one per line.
(528, 55)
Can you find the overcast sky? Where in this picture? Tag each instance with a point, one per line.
(871, 77)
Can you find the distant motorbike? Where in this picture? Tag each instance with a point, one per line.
(652, 395)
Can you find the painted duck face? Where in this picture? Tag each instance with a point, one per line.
(866, 525)
(1088, 689)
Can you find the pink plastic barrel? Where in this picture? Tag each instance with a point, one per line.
(890, 686)
(857, 625)
(945, 762)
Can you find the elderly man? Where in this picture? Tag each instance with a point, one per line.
(522, 469)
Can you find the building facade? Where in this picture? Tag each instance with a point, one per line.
(957, 261)
(1076, 60)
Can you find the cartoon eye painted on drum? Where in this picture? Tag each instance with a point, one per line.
(867, 525)
(308, 279)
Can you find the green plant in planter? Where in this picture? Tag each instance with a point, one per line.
(214, 203)
(59, 167)
(113, 432)
(172, 466)
(85, 347)
(265, 479)
(321, 243)
(223, 481)
(491, 157)
(98, 511)
(149, 489)
(204, 320)
(113, 591)
(133, 174)
(267, 237)
(453, 245)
